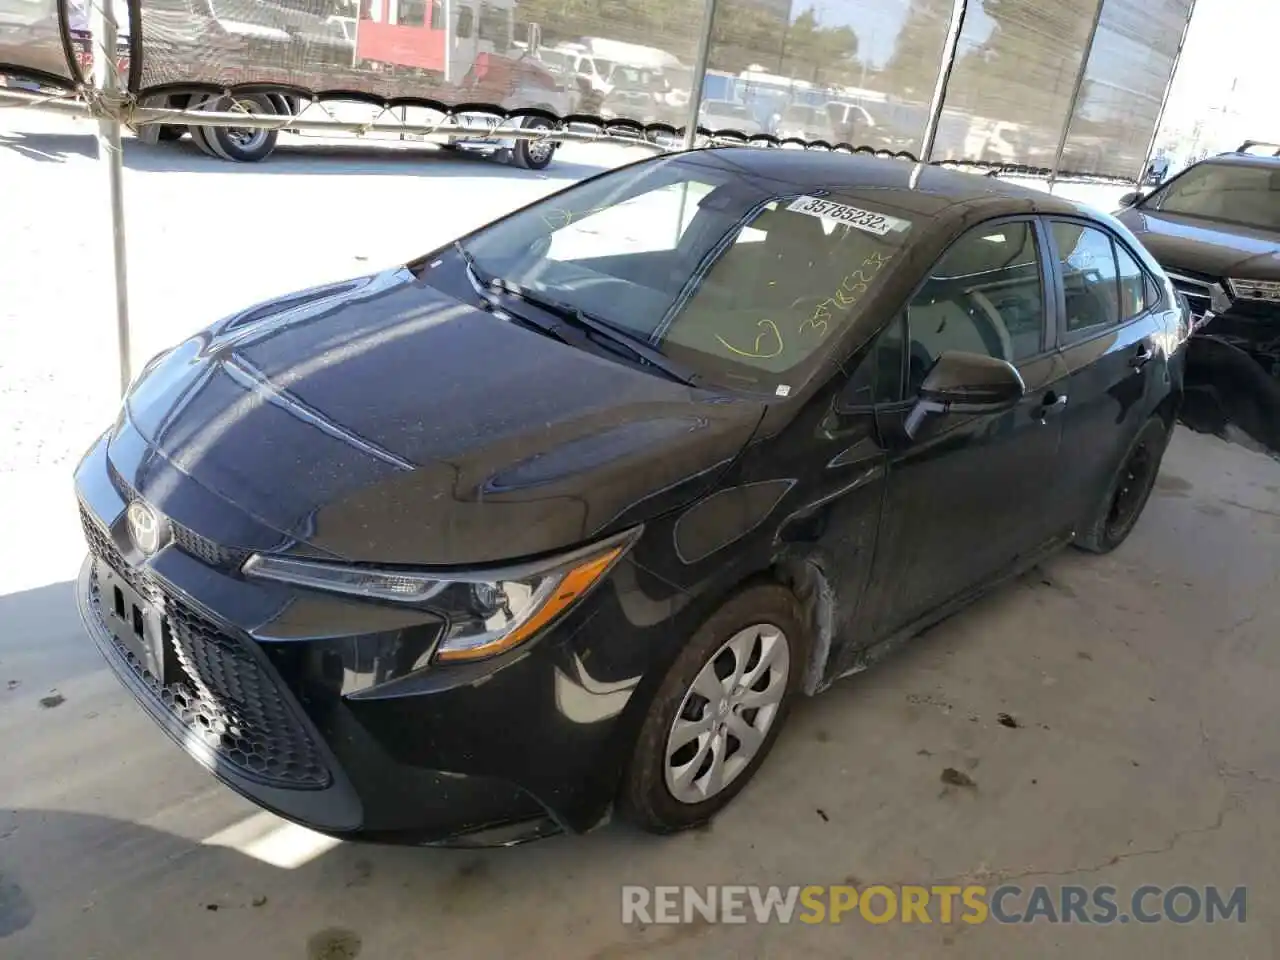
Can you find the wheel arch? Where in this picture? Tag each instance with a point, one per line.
(804, 575)
(803, 572)
(1168, 407)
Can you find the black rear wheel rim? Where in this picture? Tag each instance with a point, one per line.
(1136, 478)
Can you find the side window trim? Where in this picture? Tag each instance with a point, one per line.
(1051, 289)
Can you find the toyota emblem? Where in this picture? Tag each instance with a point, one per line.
(144, 527)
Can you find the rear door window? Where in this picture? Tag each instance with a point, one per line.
(1090, 284)
(1134, 286)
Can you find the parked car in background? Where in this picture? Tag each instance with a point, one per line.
(574, 66)
(1215, 227)
(808, 123)
(639, 98)
(728, 115)
(569, 513)
(854, 124)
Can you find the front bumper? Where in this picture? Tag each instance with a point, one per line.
(285, 696)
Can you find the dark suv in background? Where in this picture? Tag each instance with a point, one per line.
(1215, 228)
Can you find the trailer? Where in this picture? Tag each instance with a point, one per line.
(447, 51)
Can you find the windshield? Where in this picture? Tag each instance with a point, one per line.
(1227, 192)
(736, 276)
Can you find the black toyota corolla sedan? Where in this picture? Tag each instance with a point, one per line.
(566, 515)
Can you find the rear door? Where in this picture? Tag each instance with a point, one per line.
(1109, 326)
(969, 494)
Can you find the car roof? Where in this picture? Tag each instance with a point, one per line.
(1244, 159)
(923, 189)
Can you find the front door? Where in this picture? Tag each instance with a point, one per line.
(970, 494)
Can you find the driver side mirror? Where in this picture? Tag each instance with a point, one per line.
(1131, 199)
(966, 383)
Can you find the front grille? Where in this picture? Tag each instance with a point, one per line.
(205, 550)
(226, 695)
(1197, 294)
(188, 541)
(103, 547)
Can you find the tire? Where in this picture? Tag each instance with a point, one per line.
(1127, 493)
(170, 132)
(247, 145)
(198, 138)
(764, 614)
(530, 155)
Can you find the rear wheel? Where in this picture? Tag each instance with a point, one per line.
(533, 154)
(243, 144)
(1128, 492)
(718, 711)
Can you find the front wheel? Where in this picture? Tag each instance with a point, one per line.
(717, 712)
(1127, 493)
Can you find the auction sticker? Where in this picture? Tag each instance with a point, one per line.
(877, 223)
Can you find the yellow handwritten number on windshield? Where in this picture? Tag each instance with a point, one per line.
(818, 322)
(769, 334)
(851, 288)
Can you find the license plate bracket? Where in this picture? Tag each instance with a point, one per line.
(137, 624)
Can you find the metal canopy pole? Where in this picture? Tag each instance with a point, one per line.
(958, 10)
(1075, 94)
(1168, 88)
(699, 74)
(105, 31)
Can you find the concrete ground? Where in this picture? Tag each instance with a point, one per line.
(1141, 684)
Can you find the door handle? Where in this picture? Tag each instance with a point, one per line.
(1140, 357)
(1049, 404)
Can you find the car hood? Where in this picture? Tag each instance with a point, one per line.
(383, 420)
(1220, 250)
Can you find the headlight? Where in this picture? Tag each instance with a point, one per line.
(485, 613)
(1268, 290)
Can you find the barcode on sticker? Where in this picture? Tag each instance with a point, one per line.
(877, 223)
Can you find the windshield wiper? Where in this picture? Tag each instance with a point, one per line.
(486, 286)
(478, 277)
(615, 338)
